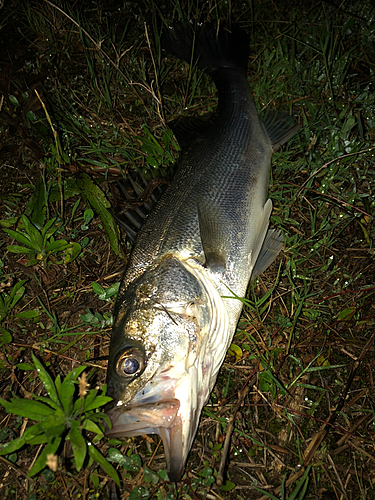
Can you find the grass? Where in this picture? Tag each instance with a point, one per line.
(303, 348)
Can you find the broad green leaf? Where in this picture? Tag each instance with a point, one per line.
(98, 401)
(12, 446)
(18, 249)
(9, 222)
(228, 486)
(25, 366)
(106, 466)
(152, 162)
(346, 314)
(49, 449)
(89, 398)
(112, 290)
(131, 464)
(78, 444)
(235, 350)
(5, 336)
(28, 315)
(27, 408)
(78, 406)
(28, 226)
(91, 426)
(49, 402)
(57, 246)
(37, 206)
(41, 439)
(94, 478)
(150, 476)
(66, 395)
(20, 237)
(46, 380)
(88, 216)
(53, 429)
(98, 289)
(33, 233)
(75, 373)
(16, 297)
(13, 99)
(58, 386)
(99, 416)
(206, 472)
(17, 291)
(33, 431)
(72, 252)
(47, 231)
(167, 137)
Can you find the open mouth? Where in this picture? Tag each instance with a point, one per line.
(130, 421)
(154, 418)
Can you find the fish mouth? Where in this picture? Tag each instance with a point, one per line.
(154, 418)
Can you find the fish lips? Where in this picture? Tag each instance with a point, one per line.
(154, 418)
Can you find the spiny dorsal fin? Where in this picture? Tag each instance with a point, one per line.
(141, 197)
(187, 128)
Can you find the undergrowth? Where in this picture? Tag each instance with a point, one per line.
(86, 95)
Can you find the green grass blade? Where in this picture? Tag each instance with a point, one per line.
(96, 198)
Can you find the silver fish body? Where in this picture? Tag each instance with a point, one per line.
(178, 304)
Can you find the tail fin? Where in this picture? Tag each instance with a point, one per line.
(213, 48)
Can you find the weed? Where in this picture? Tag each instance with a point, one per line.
(8, 314)
(61, 418)
(39, 244)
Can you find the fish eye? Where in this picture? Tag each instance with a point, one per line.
(131, 363)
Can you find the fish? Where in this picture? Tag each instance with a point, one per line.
(179, 303)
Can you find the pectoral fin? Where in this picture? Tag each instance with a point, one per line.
(280, 126)
(271, 247)
(213, 229)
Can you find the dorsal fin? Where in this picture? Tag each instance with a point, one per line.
(187, 128)
(140, 197)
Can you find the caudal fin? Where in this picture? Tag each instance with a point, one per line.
(210, 46)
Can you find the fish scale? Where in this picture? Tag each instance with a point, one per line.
(173, 320)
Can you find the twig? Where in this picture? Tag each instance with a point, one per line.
(11, 465)
(158, 99)
(329, 163)
(230, 427)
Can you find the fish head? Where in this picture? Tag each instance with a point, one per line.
(159, 353)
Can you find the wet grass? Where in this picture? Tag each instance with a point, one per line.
(302, 357)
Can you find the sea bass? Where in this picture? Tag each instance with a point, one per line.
(178, 304)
